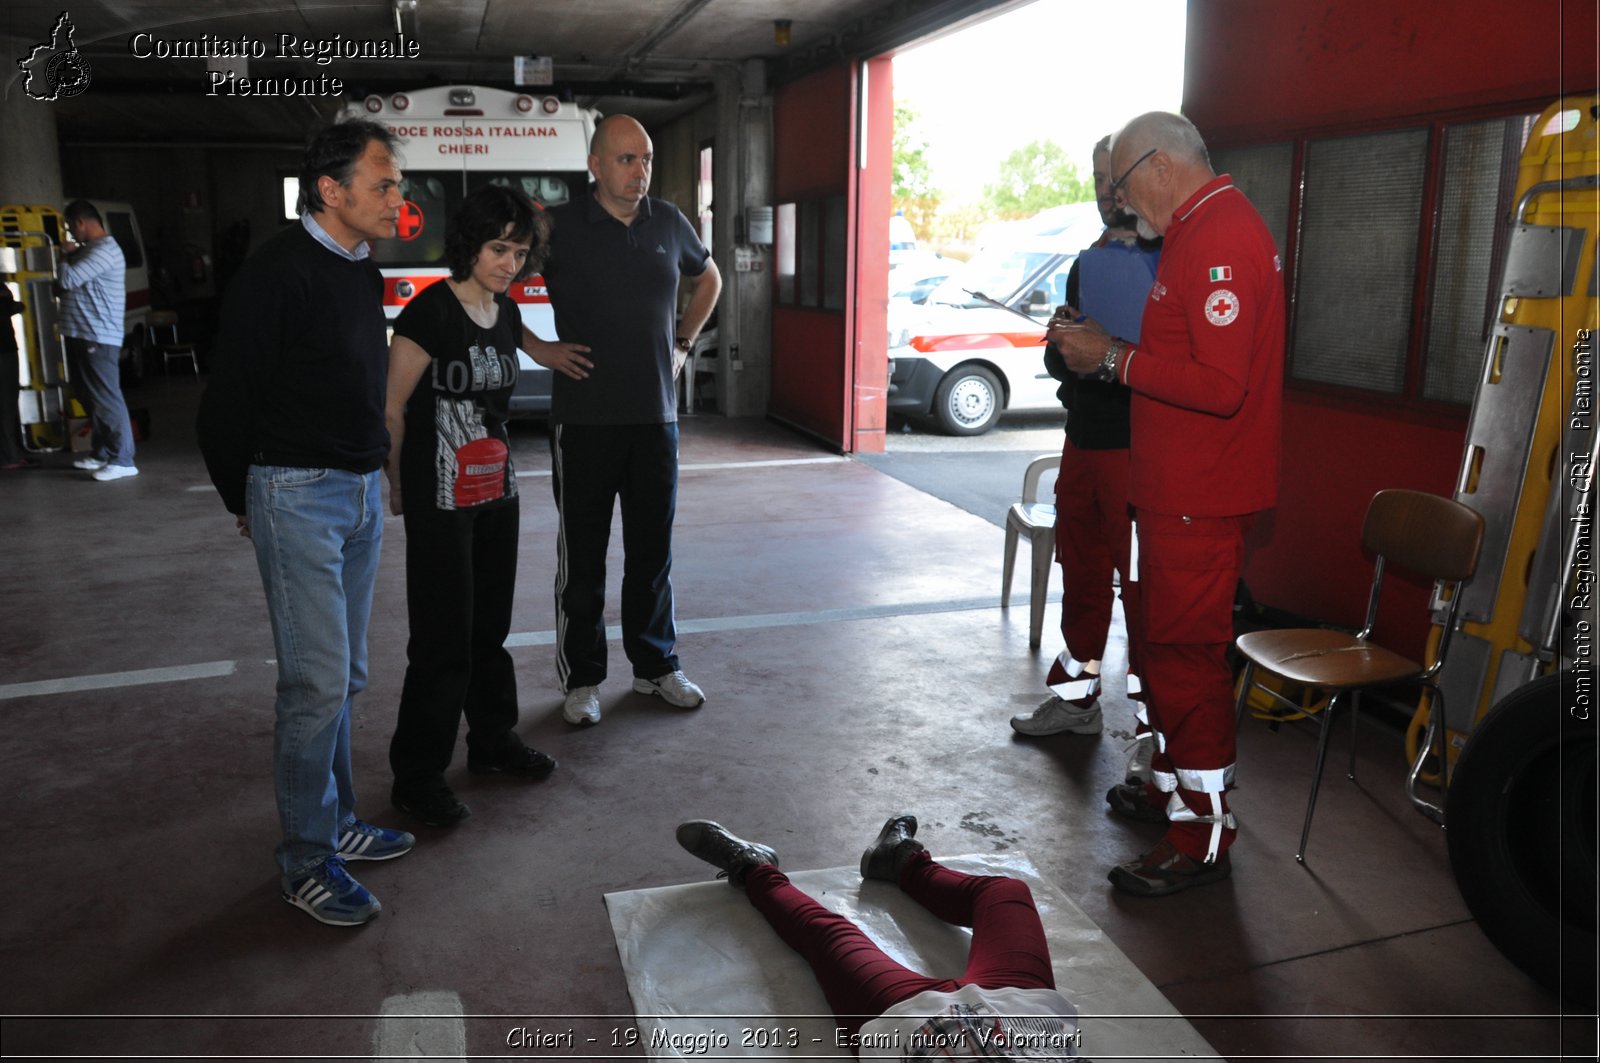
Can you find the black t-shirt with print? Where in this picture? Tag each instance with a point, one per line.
(456, 452)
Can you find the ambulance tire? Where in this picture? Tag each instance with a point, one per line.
(969, 401)
(1520, 824)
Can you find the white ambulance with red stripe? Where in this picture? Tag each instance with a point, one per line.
(454, 139)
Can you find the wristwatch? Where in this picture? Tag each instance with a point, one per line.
(684, 344)
(1108, 364)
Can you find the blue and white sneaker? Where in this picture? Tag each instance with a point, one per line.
(363, 841)
(329, 895)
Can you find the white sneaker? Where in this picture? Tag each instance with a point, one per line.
(1053, 716)
(582, 706)
(115, 472)
(89, 464)
(674, 688)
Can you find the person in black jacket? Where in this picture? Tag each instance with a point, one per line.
(293, 435)
(1109, 281)
(12, 456)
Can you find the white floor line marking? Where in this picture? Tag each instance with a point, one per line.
(107, 680)
(216, 669)
(714, 465)
(416, 1026)
(760, 620)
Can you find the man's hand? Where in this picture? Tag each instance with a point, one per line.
(1082, 343)
(243, 524)
(680, 358)
(564, 358)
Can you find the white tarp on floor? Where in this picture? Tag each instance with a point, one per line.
(710, 979)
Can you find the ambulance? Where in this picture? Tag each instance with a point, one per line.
(975, 347)
(454, 139)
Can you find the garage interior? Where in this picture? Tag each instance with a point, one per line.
(845, 626)
(142, 903)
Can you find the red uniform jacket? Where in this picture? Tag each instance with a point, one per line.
(1207, 376)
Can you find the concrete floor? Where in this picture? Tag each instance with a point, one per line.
(846, 629)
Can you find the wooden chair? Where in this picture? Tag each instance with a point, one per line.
(1421, 532)
(1037, 520)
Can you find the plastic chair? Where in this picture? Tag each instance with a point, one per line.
(1037, 520)
(1427, 534)
(172, 348)
(705, 346)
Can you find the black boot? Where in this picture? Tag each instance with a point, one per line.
(716, 845)
(887, 856)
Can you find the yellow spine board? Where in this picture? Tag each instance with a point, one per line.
(1562, 145)
(28, 227)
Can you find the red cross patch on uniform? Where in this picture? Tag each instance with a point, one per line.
(1222, 306)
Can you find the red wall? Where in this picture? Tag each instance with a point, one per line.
(870, 322)
(1306, 555)
(1259, 71)
(811, 121)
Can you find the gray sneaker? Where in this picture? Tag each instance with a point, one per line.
(582, 706)
(718, 846)
(674, 688)
(1054, 716)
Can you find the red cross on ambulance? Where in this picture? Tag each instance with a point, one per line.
(410, 221)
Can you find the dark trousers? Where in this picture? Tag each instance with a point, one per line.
(461, 572)
(11, 450)
(593, 466)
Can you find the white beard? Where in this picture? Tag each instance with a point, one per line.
(1145, 230)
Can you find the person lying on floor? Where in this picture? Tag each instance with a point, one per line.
(1004, 1005)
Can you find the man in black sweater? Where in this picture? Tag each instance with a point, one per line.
(293, 435)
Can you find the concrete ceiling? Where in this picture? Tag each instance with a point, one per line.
(655, 59)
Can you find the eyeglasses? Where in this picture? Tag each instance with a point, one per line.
(1116, 186)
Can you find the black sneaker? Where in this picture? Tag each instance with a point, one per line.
(431, 801)
(1128, 800)
(513, 758)
(886, 857)
(713, 843)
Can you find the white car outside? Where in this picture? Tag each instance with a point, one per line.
(964, 361)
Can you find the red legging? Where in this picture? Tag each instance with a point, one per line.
(861, 983)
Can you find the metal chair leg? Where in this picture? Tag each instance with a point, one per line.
(1244, 692)
(1435, 724)
(1316, 778)
(1355, 716)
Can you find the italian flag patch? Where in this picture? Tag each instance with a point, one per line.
(1222, 273)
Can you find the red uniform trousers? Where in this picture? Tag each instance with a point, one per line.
(1008, 944)
(1188, 572)
(1092, 541)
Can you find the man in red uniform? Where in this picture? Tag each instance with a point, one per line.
(1207, 383)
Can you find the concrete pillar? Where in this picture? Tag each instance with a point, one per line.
(30, 156)
(743, 180)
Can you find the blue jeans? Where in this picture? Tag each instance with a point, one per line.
(318, 534)
(97, 381)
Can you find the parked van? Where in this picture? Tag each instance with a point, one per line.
(964, 361)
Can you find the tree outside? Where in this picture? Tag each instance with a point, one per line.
(913, 192)
(1034, 177)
